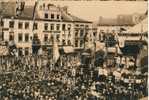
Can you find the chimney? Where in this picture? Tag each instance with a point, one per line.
(65, 9)
(19, 7)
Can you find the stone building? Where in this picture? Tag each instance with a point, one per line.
(43, 20)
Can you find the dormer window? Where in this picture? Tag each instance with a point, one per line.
(52, 16)
(46, 15)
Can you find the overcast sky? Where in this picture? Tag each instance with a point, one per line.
(91, 10)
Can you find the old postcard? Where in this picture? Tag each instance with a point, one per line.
(73, 50)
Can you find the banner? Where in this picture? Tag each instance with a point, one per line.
(56, 53)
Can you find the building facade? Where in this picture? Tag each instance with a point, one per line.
(45, 21)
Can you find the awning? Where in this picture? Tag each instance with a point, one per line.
(145, 98)
(85, 54)
(131, 50)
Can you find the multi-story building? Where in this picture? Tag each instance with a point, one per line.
(134, 42)
(114, 33)
(117, 25)
(43, 20)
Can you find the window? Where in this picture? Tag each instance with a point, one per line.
(11, 24)
(20, 53)
(26, 51)
(77, 25)
(58, 16)
(62, 18)
(63, 27)
(58, 27)
(44, 5)
(20, 38)
(82, 26)
(35, 26)
(45, 37)
(76, 43)
(57, 37)
(46, 26)
(27, 25)
(52, 16)
(51, 39)
(11, 36)
(76, 33)
(69, 27)
(20, 25)
(46, 15)
(2, 23)
(52, 26)
(81, 43)
(63, 42)
(86, 26)
(35, 36)
(26, 37)
(81, 33)
(69, 42)
(94, 33)
(2, 36)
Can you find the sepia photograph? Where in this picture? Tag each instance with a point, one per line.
(73, 50)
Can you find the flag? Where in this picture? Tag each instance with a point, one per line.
(34, 14)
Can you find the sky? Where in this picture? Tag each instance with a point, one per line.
(92, 10)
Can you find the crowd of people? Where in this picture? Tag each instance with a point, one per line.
(37, 78)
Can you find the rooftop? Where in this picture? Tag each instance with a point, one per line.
(115, 22)
(122, 20)
(8, 10)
